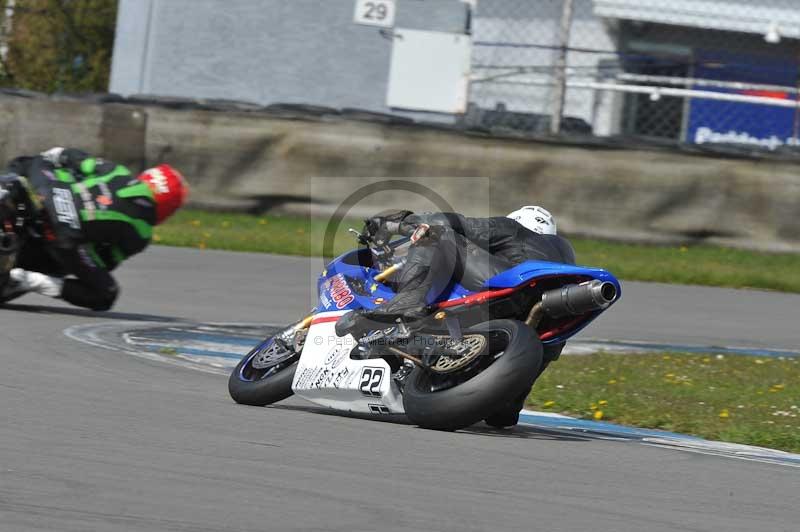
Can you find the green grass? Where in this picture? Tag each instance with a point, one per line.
(703, 265)
(732, 398)
(243, 232)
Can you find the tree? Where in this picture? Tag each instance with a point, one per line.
(58, 45)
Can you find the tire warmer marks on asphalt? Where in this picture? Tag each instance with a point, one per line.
(217, 348)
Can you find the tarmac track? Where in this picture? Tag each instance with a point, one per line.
(93, 439)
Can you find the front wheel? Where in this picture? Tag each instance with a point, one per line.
(264, 376)
(506, 369)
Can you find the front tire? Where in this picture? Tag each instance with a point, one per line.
(261, 383)
(518, 360)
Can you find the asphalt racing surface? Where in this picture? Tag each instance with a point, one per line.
(93, 439)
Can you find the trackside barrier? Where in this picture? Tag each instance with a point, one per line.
(242, 156)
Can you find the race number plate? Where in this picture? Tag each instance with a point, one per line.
(375, 12)
(327, 375)
(65, 208)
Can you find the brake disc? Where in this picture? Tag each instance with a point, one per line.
(271, 355)
(469, 348)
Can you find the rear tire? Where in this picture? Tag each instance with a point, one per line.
(247, 388)
(506, 378)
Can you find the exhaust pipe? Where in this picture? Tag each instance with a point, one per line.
(578, 299)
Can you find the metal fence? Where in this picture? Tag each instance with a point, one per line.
(687, 71)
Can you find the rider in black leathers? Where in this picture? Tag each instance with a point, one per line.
(467, 250)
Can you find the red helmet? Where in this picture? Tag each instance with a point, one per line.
(169, 189)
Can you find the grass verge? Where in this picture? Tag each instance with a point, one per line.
(703, 265)
(732, 398)
(243, 232)
(700, 265)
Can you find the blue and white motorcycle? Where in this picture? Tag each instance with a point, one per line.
(476, 354)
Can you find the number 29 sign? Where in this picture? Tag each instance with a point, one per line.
(375, 12)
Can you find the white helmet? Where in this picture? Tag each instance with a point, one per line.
(536, 219)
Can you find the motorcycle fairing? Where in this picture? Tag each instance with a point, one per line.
(537, 269)
(360, 281)
(327, 376)
(347, 285)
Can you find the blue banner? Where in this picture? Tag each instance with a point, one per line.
(724, 122)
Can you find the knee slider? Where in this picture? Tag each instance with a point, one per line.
(106, 298)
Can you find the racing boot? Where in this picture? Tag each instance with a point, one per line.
(360, 322)
(508, 416)
(21, 282)
(503, 420)
(408, 306)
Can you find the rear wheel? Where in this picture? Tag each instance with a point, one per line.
(504, 370)
(264, 376)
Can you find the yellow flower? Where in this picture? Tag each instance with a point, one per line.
(666, 357)
(598, 415)
(593, 406)
(724, 414)
(602, 403)
(612, 381)
(262, 221)
(548, 404)
(196, 223)
(758, 361)
(156, 238)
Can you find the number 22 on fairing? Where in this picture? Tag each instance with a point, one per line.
(375, 12)
(370, 383)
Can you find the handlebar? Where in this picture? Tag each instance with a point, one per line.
(366, 239)
(383, 254)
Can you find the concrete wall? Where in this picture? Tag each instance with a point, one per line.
(246, 160)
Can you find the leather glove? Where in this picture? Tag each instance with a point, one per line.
(381, 228)
(428, 235)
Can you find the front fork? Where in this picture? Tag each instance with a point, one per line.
(294, 336)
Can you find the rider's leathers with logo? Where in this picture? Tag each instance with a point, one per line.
(99, 215)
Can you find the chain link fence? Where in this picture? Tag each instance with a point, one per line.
(678, 71)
